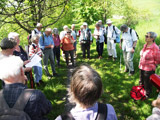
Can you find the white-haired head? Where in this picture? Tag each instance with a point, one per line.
(13, 35)
(48, 29)
(65, 27)
(35, 37)
(10, 67)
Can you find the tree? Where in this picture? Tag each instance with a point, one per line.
(27, 13)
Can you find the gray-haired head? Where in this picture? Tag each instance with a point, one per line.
(55, 31)
(7, 43)
(34, 37)
(13, 35)
(152, 35)
(123, 27)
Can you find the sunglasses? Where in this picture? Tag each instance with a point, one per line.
(68, 32)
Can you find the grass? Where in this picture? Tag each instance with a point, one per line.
(116, 84)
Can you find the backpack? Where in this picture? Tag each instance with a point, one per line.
(17, 111)
(30, 36)
(88, 35)
(102, 113)
(117, 35)
(138, 92)
(135, 32)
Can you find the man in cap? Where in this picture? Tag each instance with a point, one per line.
(85, 40)
(47, 45)
(111, 33)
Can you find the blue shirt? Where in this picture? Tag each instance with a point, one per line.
(48, 40)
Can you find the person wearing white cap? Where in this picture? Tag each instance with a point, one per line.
(85, 40)
(111, 33)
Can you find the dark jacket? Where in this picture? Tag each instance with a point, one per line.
(37, 105)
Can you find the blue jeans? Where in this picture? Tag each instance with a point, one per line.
(37, 73)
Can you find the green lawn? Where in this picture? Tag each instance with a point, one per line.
(116, 84)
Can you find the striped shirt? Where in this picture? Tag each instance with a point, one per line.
(32, 49)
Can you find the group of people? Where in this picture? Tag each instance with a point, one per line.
(13, 72)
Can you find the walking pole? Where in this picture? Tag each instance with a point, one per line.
(120, 61)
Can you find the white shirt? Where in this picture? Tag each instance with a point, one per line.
(84, 35)
(36, 33)
(111, 33)
(128, 39)
(100, 33)
(62, 34)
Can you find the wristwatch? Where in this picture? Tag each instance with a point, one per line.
(134, 48)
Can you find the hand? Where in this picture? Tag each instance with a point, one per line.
(120, 46)
(27, 69)
(132, 51)
(25, 62)
(52, 46)
(36, 50)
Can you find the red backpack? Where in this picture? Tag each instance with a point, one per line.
(138, 92)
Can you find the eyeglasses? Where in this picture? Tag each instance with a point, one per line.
(69, 32)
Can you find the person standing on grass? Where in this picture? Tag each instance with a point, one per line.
(37, 30)
(149, 59)
(62, 35)
(35, 49)
(111, 32)
(128, 45)
(104, 31)
(85, 40)
(99, 36)
(74, 35)
(56, 48)
(16, 93)
(68, 48)
(84, 91)
(47, 45)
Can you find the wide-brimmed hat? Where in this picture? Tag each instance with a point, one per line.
(108, 21)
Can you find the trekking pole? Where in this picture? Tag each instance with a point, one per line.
(120, 61)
